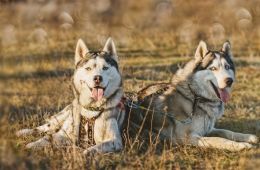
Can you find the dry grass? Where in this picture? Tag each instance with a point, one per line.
(152, 39)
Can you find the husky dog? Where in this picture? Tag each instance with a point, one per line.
(185, 110)
(94, 119)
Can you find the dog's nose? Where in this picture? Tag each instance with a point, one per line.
(98, 79)
(229, 81)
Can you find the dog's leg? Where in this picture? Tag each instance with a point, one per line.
(64, 135)
(43, 142)
(60, 138)
(52, 124)
(219, 143)
(55, 139)
(239, 137)
(112, 140)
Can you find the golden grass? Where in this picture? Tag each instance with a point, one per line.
(35, 79)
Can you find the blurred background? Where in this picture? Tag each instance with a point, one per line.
(37, 44)
(147, 24)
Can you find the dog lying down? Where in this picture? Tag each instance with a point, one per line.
(185, 110)
(94, 119)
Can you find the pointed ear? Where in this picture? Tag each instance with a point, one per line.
(201, 50)
(81, 51)
(227, 48)
(111, 48)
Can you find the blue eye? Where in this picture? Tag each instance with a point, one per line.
(227, 67)
(105, 68)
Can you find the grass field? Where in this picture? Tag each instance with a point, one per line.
(152, 38)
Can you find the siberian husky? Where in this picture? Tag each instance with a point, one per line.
(185, 110)
(95, 117)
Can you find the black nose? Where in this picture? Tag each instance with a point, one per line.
(229, 81)
(98, 79)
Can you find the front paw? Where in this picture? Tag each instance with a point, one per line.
(24, 132)
(38, 144)
(243, 146)
(252, 139)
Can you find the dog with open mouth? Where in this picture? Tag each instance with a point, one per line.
(185, 110)
(95, 118)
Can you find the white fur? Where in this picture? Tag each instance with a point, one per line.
(221, 73)
(81, 51)
(111, 48)
(111, 79)
(201, 50)
(63, 128)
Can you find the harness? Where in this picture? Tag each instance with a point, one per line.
(86, 128)
(135, 102)
(131, 100)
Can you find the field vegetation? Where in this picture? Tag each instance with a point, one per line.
(37, 44)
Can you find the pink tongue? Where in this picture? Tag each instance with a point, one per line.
(224, 95)
(97, 93)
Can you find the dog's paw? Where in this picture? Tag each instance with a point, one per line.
(252, 139)
(243, 146)
(38, 144)
(24, 132)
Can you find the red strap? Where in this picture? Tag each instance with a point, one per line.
(121, 104)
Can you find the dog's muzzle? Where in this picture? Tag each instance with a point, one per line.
(222, 94)
(229, 82)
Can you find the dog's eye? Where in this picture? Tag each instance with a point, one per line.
(227, 67)
(105, 68)
(88, 68)
(213, 68)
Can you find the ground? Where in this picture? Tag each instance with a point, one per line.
(35, 84)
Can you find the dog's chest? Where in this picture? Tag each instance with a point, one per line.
(205, 117)
(86, 132)
(202, 124)
(89, 114)
(87, 127)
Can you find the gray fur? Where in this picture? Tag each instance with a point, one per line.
(190, 96)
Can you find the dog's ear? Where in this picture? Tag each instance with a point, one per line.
(201, 50)
(111, 48)
(227, 49)
(81, 51)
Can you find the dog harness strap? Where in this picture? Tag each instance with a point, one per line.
(86, 133)
(89, 132)
(121, 104)
(91, 124)
(141, 94)
(82, 131)
(133, 101)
